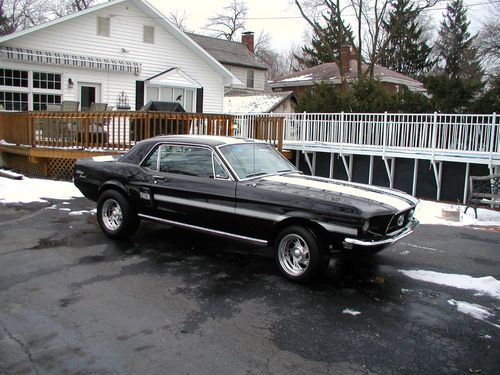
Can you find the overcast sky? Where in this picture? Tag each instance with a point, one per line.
(282, 20)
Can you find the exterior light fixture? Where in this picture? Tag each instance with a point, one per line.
(70, 83)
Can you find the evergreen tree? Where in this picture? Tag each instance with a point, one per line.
(326, 42)
(489, 101)
(364, 95)
(454, 89)
(455, 44)
(407, 51)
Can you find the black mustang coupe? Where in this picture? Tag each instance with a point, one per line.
(246, 190)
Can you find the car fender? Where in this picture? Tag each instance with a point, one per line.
(114, 184)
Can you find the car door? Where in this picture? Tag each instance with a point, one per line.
(189, 185)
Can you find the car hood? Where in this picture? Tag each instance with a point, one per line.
(363, 197)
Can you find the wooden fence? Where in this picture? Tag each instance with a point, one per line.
(113, 131)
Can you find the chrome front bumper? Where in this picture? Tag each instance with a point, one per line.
(349, 243)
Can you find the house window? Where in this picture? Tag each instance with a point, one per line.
(13, 78)
(14, 101)
(250, 78)
(185, 96)
(103, 26)
(32, 89)
(149, 34)
(40, 101)
(49, 81)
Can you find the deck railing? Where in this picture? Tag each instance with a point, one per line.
(386, 134)
(104, 130)
(454, 134)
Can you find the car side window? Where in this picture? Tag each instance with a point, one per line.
(186, 160)
(220, 171)
(152, 161)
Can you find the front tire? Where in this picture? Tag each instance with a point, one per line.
(115, 215)
(300, 254)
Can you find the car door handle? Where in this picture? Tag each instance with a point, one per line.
(158, 178)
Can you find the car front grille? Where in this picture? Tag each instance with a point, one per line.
(387, 225)
(399, 221)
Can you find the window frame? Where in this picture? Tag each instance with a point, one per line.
(148, 38)
(250, 78)
(106, 31)
(31, 90)
(173, 88)
(214, 158)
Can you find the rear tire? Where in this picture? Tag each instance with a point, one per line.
(300, 254)
(115, 215)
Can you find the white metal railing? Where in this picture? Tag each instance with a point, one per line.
(430, 133)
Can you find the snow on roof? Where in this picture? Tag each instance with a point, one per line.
(330, 72)
(261, 103)
(305, 77)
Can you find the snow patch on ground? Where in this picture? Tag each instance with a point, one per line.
(35, 189)
(84, 212)
(487, 285)
(429, 212)
(472, 309)
(351, 312)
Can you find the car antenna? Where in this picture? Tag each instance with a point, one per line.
(254, 171)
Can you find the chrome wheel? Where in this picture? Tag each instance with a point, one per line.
(112, 215)
(293, 254)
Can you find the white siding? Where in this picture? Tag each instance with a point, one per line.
(79, 36)
(241, 74)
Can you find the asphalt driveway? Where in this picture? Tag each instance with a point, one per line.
(169, 301)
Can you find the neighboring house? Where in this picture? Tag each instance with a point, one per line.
(254, 95)
(122, 52)
(238, 58)
(302, 80)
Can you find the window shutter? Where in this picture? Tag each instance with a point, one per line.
(139, 95)
(199, 100)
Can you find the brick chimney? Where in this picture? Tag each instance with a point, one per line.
(247, 39)
(345, 57)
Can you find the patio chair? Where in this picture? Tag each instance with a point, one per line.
(53, 107)
(98, 107)
(69, 106)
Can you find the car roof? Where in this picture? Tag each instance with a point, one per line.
(209, 140)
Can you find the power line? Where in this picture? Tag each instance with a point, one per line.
(353, 15)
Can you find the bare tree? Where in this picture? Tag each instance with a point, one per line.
(310, 11)
(22, 14)
(60, 8)
(179, 19)
(270, 58)
(370, 15)
(489, 42)
(228, 22)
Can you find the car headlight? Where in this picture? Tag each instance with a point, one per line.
(401, 220)
(366, 226)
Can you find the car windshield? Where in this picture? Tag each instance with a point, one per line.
(250, 160)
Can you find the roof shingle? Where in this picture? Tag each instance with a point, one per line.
(227, 52)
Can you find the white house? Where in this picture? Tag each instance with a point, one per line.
(120, 52)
